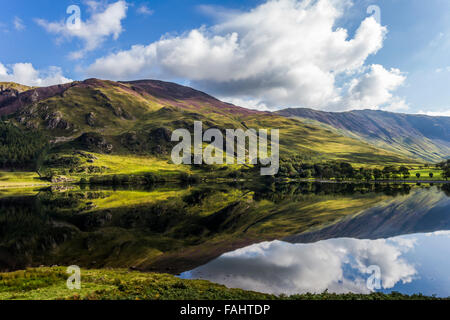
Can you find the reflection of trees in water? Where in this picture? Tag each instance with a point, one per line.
(27, 230)
(287, 191)
(31, 227)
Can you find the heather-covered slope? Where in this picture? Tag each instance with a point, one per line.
(414, 136)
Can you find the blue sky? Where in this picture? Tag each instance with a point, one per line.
(253, 53)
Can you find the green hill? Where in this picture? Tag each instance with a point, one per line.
(135, 119)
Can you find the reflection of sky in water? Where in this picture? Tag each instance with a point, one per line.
(409, 264)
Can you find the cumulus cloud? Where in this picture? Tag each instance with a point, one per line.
(339, 265)
(25, 73)
(105, 21)
(375, 88)
(283, 53)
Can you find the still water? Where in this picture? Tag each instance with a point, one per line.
(359, 255)
(282, 239)
(409, 264)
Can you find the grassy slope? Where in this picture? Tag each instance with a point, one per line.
(50, 284)
(322, 144)
(420, 149)
(120, 110)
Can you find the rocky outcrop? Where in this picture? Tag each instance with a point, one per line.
(91, 119)
(60, 179)
(161, 135)
(55, 121)
(95, 142)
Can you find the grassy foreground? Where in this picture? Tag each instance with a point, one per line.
(50, 284)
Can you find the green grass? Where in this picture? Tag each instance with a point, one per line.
(20, 179)
(50, 284)
(425, 174)
(120, 164)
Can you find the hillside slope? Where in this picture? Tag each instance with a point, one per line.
(414, 136)
(137, 118)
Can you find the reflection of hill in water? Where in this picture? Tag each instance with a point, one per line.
(423, 210)
(174, 229)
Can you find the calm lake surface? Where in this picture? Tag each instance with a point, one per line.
(282, 239)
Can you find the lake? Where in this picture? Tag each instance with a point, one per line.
(278, 238)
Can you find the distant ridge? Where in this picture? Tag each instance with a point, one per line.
(416, 136)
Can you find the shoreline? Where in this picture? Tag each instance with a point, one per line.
(371, 181)
(125, 284)
(49, 184)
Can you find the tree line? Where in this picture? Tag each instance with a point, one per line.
(20, 148)
(345, 171)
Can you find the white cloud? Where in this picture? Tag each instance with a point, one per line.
(18, 24)
(283, 53)
(105, 21)
(375, 88)
(219, 13)
(397, 105)
(25, 73)
(442, 113)
(246, 103)
(145, 10)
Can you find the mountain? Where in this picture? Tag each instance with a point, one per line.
(136, 119)
(414, 136)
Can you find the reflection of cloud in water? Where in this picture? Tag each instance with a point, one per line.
(339, 265)
(439, 233)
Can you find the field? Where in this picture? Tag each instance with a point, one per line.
(425, 174)
(20, 180)
(120, 164)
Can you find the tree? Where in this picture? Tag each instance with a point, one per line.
(404, 172)
(377, 174)
(347, 170)
(387, 171)
(367, 173)
(418, 175)
(446, 173)
(327, 173)
(431, 175)
(20, 149)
